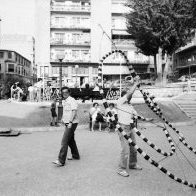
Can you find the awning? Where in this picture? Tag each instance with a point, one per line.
(115, 70)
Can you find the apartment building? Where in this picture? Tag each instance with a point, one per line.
(84, 31)
(13, 63)
(184, 62)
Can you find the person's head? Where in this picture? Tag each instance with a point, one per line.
(111, 105)
(86, 85)
(95, 104)
(65, 91)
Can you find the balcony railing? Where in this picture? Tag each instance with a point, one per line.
(78, 26)
(187, 63)
(134, 61)
(54, 41)
(73, 59)
(70, 8)
(124, 42)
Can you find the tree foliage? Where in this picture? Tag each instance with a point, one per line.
(165, 24)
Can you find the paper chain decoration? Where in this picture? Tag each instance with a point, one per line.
(149, 100)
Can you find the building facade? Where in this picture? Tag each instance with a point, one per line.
(25, 46)
(83, 31)
(14, 64)
(185, 60)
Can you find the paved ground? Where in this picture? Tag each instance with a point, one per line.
(26, 167)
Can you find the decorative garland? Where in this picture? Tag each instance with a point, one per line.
(154, 146)
(149, 100)
(154, 163)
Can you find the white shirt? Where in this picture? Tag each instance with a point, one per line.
(69, 105)
(93, 113)
(125, 111)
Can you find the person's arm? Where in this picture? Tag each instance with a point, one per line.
(74, 107)
(133, 88)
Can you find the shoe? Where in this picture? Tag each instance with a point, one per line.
(58, 163)
(51, 124)
(137, 167)
(123, 173)
(72, 158)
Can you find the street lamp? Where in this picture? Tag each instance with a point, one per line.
(76, 68)
(60, 106)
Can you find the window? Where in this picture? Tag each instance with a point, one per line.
(76, 37)
(1, 54)
(9, 55)
(95, 70)
(75, 54)
(55, 70)
(59, 20)
(59, 36)
(10, 67)
(83, 70)
(65, 71)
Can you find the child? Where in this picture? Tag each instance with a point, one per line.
(96, 116)
(53, 113)
(113, 111)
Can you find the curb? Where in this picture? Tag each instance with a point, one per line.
(86, 126)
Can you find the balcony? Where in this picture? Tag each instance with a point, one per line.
(71, 57)
(124, 42)
(70, 27)
(84, 59)
(70, 8)
(134, 61)
(119, 8)
(187, 63)
(63, 42)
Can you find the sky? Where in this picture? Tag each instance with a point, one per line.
(17, 17)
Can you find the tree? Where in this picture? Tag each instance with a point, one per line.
(161, 27)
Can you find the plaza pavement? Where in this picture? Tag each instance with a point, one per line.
(27, 170)
(26, 167)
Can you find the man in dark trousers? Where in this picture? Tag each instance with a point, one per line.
(70, 119)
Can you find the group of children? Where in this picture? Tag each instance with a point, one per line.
(96, 116)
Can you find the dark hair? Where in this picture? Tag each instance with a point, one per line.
(86, 85)
(65, 88)
(95, 104)
(123, 93)
(111, 104)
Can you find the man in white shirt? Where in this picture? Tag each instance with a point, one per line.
(126, 111)
(70, 119)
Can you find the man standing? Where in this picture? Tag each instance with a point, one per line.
(128, 157)
(70, 119)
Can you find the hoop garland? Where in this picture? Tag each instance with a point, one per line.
(149, 100)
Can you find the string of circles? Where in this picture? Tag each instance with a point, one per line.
(153, 105)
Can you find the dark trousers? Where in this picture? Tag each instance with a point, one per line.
(68, 140)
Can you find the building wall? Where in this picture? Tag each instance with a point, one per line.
(22, 44)
(100, 23)
(42, 33)
(12, 63)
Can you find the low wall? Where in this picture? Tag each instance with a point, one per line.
(161, 91)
